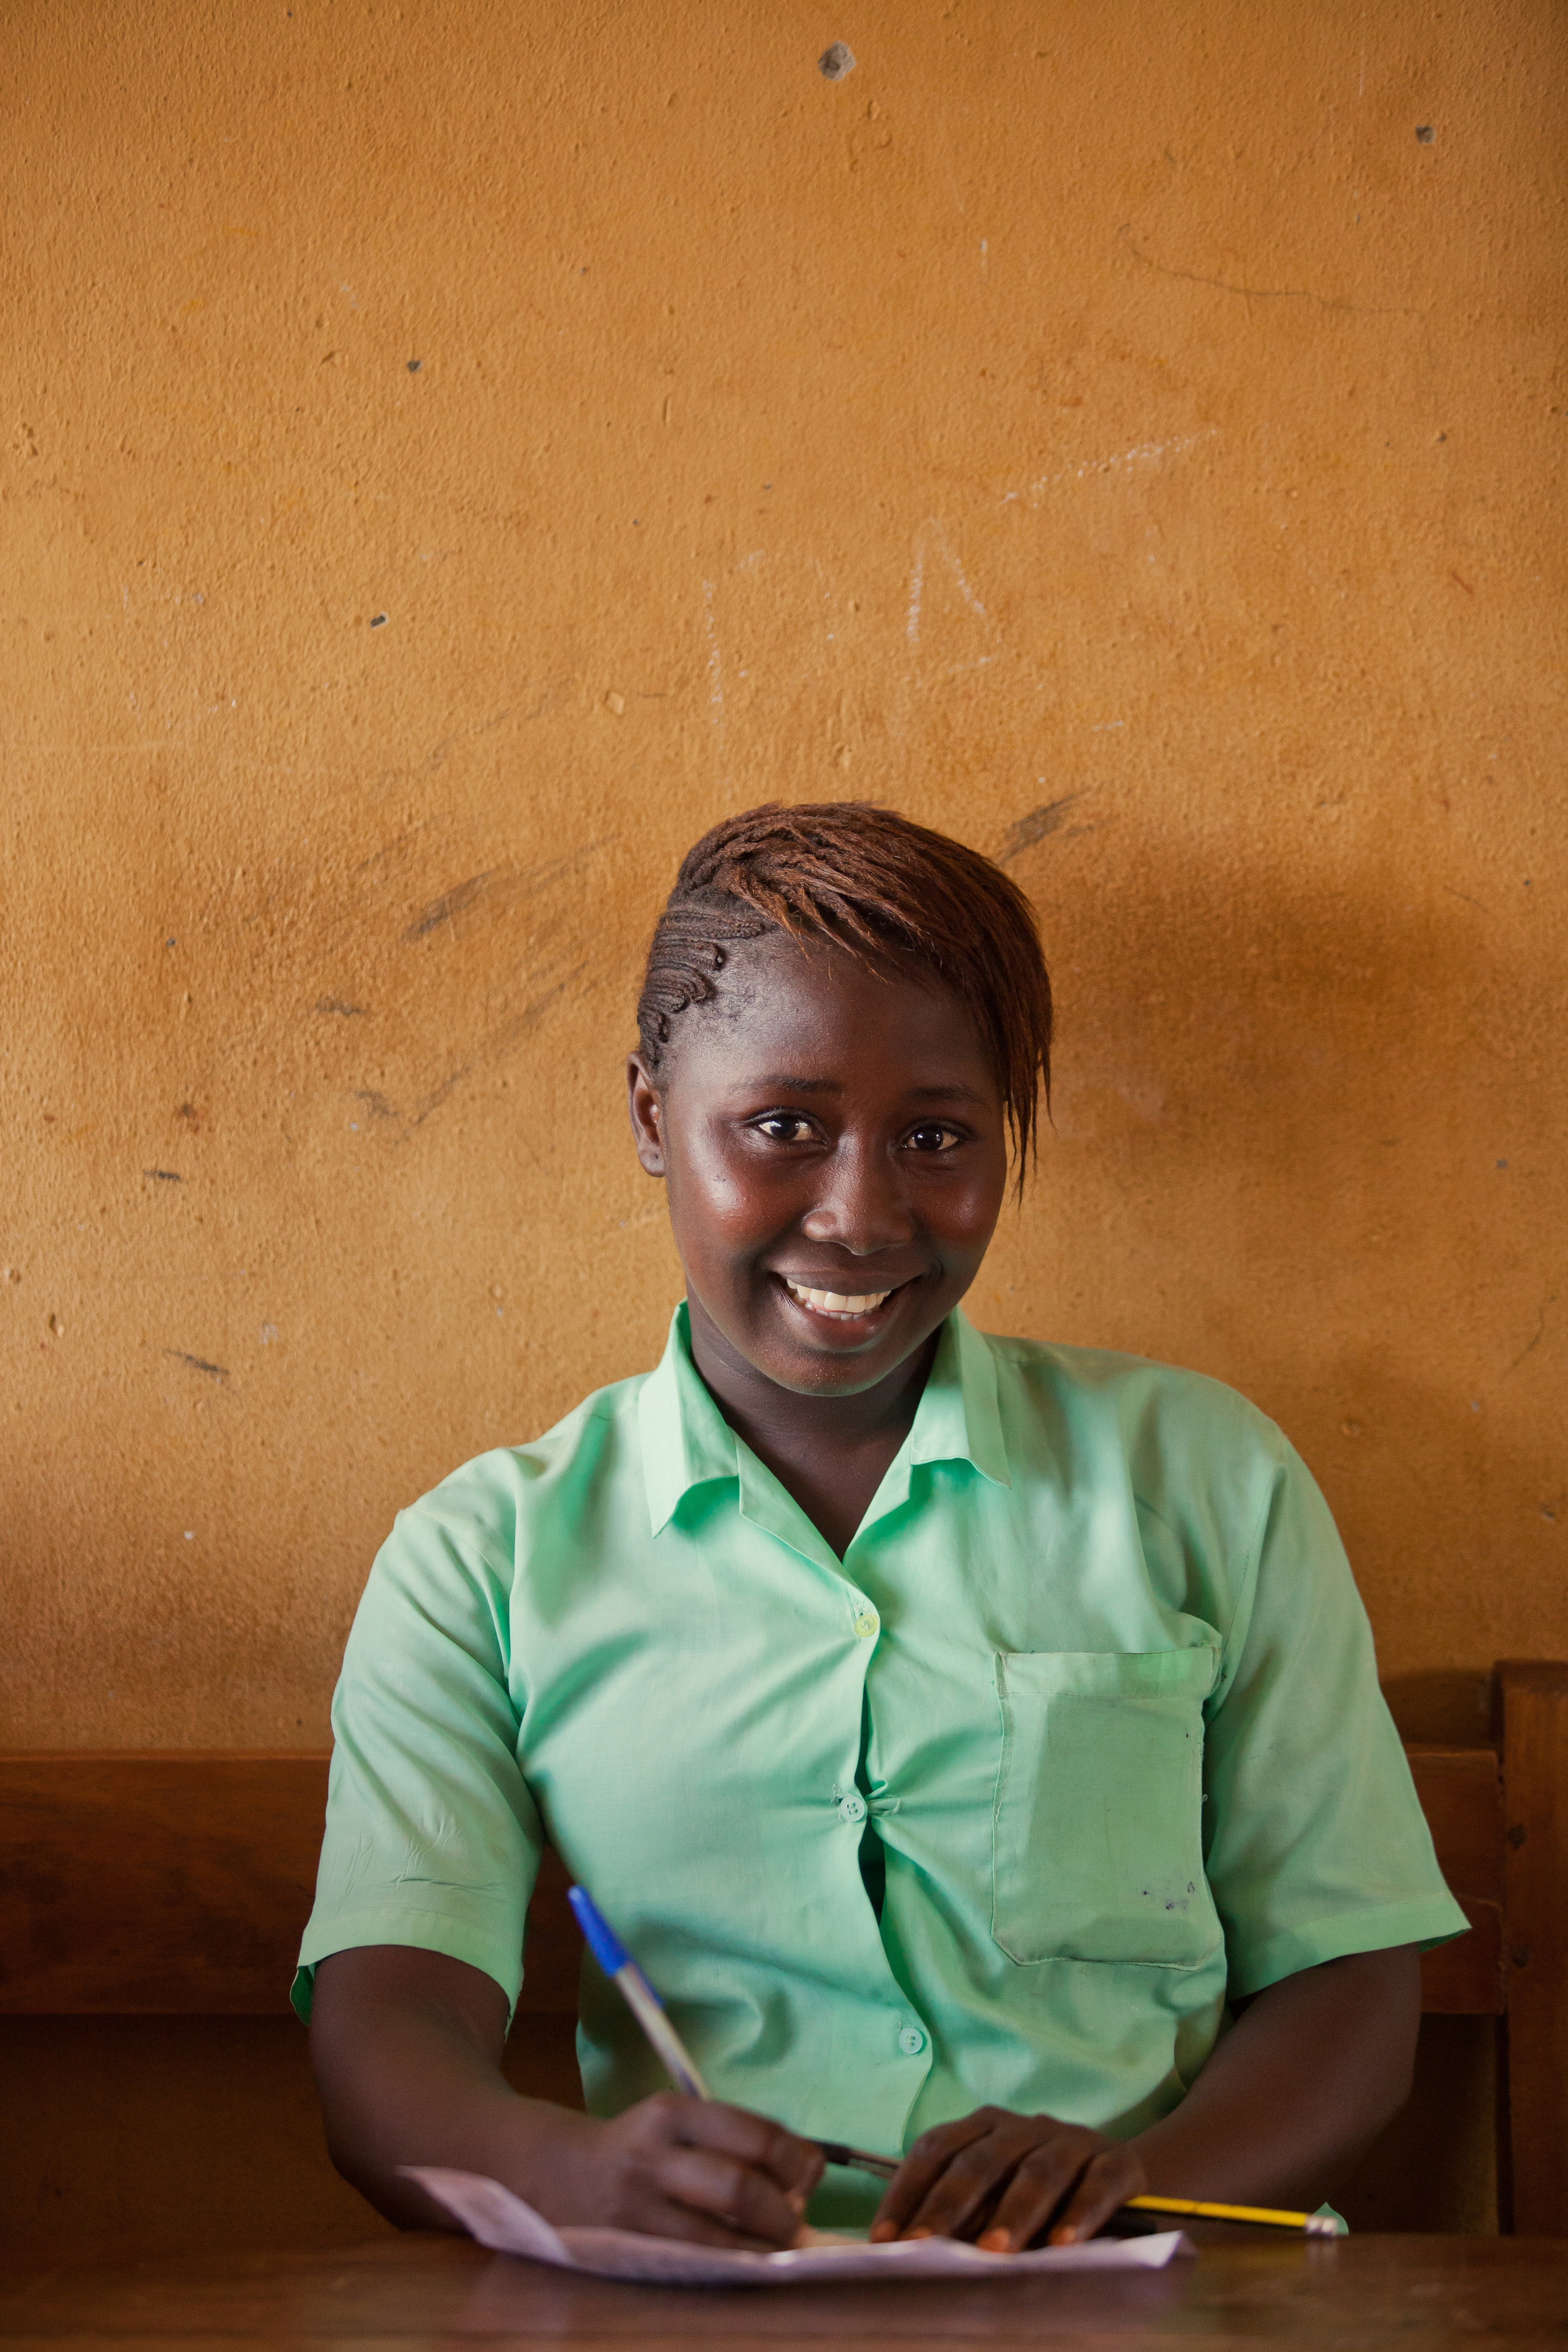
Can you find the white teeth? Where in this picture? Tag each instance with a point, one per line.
(836, 1302)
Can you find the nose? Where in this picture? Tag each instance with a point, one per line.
(862, 1206)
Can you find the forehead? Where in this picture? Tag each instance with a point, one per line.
(780, 1008)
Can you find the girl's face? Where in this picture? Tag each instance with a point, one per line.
(836, 1156)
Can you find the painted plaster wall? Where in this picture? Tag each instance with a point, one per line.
(453, 453)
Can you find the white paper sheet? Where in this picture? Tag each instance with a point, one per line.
(498, 2218)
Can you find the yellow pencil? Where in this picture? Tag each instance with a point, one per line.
(1315, 2225)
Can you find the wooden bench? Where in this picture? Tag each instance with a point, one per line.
(178, 1884)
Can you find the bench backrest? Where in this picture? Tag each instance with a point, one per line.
(178, 1883)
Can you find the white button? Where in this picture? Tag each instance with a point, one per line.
(912, 2041)
(866, 1623)
(852, 1807)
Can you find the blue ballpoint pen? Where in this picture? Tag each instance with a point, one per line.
(638, 1994)
(648, 2010)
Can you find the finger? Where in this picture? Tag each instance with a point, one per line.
(795, 2164)
(970, 2184)
(1115, 2175)
(747, 2202)
(663, 2219)
(922, 2168)
(1046, 2177)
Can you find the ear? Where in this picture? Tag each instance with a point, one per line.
(647, 1114)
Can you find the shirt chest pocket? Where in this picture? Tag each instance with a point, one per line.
(1097, 1837)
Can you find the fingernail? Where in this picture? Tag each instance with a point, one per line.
(911, 2235)
(996, 2242)
(881, 2231)
(796, 2200)
(1065, 2236)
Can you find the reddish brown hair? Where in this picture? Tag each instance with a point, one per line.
(889, 892)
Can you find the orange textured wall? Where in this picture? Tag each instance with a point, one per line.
(454, 452)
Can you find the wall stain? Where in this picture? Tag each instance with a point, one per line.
(163, 1175)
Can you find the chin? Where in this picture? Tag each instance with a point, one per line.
(830, 1371)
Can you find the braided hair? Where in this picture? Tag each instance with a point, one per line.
(889, 892)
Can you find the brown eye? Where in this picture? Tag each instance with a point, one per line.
(782, 1127)
(932, 1137)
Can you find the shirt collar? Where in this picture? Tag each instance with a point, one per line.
(687, 1442)
(959, 1418)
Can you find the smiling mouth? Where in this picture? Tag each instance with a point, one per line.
(841, 1305)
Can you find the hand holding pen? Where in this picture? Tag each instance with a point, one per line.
(1007, 2180)
(685, 2166)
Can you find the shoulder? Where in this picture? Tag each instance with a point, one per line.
(1135, 1394)
(482, 1514)
(1184, 1442)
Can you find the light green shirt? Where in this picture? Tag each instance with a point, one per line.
(1094, 1666)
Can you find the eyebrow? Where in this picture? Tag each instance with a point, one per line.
(783, 1082)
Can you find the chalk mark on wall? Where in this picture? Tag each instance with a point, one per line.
(715, 667)
(933, 532)
(1146, 454)
(916, 583)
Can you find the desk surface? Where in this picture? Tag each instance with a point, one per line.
(418, 2294)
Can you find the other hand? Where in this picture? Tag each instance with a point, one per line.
(1002, 2179)
(673, 2167)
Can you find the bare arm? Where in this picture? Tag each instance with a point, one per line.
(1311, 2072)
(406, 2046)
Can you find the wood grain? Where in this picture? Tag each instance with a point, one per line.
(1534, 1701)
(1380, 2295)
(1460, 1791)
(179, 1885)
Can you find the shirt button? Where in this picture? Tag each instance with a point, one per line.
(852, 1807)
(912, 2041)
(866, 1623)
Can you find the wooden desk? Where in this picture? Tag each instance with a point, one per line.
(422, 2293)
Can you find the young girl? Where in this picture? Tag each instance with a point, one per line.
(977, 1741)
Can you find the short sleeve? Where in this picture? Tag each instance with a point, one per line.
(1317, 1845)
(432, 1837)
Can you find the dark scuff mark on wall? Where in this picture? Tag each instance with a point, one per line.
(501, 885)
(411, 1122)
(163, 1175)
(493, 1048)
(197, 1363)
(1034, 827)
(451, 902)
(1530, 1344)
